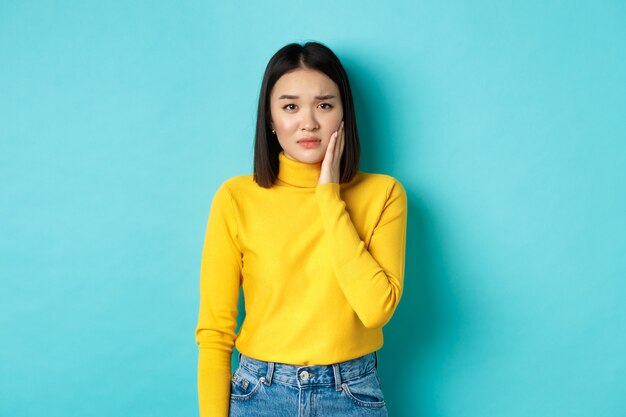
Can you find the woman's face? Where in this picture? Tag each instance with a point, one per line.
(306, 110)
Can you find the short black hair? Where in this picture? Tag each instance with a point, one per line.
(311, 55)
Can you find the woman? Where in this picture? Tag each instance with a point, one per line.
(318, 247)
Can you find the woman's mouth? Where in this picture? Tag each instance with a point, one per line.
(310, 143)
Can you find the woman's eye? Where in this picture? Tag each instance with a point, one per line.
(289, 107)
(326, 106)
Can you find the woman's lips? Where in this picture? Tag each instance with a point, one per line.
(309, 143)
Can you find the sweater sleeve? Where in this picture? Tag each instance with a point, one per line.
(220, 278)
(371, 278)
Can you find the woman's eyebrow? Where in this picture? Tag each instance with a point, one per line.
(292, 97)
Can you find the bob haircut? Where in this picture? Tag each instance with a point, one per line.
(315, 56)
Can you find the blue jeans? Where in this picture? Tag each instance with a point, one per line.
(346, 389)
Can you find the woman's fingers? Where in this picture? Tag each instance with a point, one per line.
(338, 151)
(342, 141)
(330, 151)
(332, 159)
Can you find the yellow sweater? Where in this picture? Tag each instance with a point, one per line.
(321, 267)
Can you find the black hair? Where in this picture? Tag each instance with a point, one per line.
(311, 55)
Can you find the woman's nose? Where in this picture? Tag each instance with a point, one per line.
(309, 122)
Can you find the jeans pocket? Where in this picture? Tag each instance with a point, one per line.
(244, 384)
(365, 391)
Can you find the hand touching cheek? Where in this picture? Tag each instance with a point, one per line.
(331, 165)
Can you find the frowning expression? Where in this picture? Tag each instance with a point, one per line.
(306, 109)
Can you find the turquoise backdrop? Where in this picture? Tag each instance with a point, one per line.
(505, 121)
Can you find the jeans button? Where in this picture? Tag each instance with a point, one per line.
(304, 375)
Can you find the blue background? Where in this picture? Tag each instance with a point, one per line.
(505, 121)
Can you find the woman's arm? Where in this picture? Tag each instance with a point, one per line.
(371, 278)
(220, 277)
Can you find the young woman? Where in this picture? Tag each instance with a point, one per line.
(318, 247)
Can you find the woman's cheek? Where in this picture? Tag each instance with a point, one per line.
(325, 145)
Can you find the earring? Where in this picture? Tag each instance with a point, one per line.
(273, 132)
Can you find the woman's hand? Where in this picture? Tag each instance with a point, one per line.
(331, 165)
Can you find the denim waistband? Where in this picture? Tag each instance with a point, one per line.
(302, 375)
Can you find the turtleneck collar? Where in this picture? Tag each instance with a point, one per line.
(298, 174)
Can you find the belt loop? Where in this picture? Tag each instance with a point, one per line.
(270, 373)
(337, 373)
(375, 359)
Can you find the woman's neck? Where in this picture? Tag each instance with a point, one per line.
(296, 173)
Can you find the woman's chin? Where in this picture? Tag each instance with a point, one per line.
(314, 160)
(307, 157)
